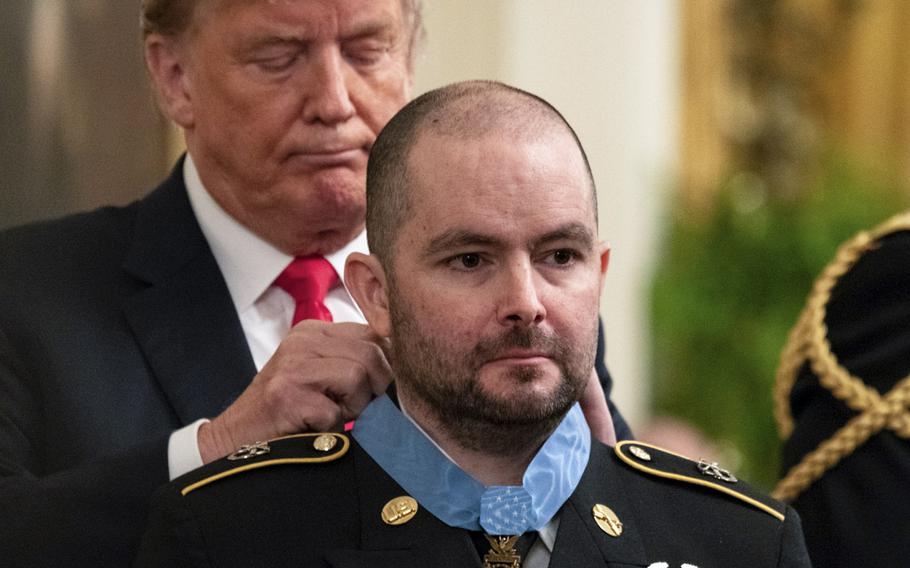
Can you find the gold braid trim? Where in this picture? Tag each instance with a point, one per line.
(809, 340)
(852, 435)
(791, 359)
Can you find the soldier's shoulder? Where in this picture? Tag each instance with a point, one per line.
(299, 451)
(684, 474)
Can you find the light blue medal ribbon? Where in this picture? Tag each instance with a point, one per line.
(458, 499)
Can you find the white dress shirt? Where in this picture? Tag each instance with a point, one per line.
(249, 266)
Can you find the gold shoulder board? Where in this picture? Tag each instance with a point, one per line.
(295, 449)
(664, 463)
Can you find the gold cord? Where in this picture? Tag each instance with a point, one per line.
(809, 340)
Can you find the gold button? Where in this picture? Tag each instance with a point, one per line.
(399, 510)
(325, 442)
(607, 520)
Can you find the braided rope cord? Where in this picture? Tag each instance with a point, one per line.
(791, 359)
(809, 340)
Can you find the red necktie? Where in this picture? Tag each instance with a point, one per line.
(307, 279)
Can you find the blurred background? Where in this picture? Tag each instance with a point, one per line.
(735, 144)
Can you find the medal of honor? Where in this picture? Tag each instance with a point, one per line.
(502, 552)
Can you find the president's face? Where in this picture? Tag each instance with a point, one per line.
(286, 97)
(496, 282)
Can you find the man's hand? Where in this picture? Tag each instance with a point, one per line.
(322, 375)
(597, 413)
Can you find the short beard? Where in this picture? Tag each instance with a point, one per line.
(444, 382)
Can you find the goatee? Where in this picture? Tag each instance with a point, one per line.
(444, 381)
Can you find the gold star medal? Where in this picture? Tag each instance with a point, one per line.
(502, 553)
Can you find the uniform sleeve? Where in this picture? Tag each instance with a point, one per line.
(172, 538)
(793, 553)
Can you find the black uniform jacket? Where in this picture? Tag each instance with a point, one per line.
(116, 327)
(858, 513)
(297, 506)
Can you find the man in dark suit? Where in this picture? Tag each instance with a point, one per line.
(121, 330)
(845, 379)
(485, 275)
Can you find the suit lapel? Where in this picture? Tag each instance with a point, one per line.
(185, 321)
(423, 541)
(580, 542)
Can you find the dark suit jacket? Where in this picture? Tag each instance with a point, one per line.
(116, 327)
(858, 513)
(328, 514)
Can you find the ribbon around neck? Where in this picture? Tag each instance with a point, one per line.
(459, 500)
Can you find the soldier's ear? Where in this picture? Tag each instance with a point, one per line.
(366, 282)
(603, 251)
(165, 60)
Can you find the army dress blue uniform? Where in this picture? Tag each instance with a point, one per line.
(116, 328)
(322, 500)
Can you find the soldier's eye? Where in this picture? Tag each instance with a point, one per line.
(469, 260)
(563, 256)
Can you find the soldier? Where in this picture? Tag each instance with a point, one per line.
(485, 276)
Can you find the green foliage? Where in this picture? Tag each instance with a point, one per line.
(727, 291)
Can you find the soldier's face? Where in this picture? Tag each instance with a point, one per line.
(497, 276)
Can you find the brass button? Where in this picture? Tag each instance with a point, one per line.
(399, 510)
(607, 520)
(325, 442)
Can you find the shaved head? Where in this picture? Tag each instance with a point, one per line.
(460, 111)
